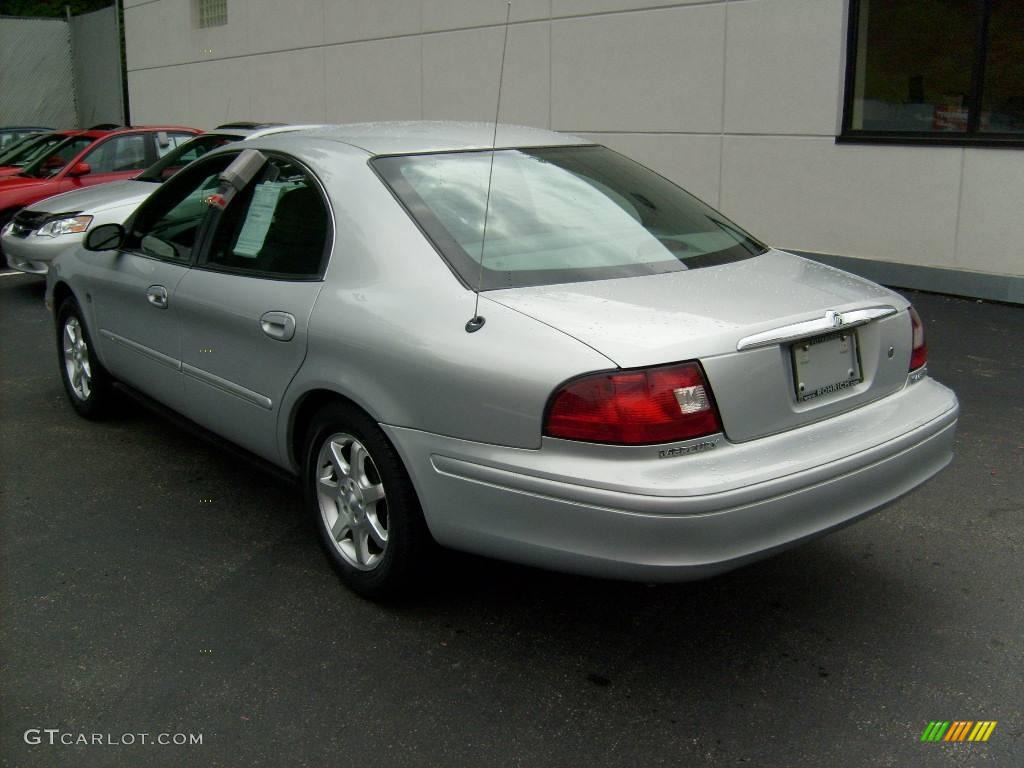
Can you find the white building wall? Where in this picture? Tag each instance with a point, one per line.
(739, 101)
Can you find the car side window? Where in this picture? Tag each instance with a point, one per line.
(169, 224)
(196, 149)
(167, 141)
(277, 227)
(121, 153)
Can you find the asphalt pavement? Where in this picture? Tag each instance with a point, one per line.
(153, 583)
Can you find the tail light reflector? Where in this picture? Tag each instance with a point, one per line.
(919, 350)
(645, 407)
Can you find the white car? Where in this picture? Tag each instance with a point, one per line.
(40, 232)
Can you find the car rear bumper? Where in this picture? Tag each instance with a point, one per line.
(696, 515)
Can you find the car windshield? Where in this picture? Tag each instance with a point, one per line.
(12, 149)
(181, 156)
(23, 152)
(13, 137)
(51, 160)
(559, 215)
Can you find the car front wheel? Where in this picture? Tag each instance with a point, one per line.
(85, 380)
(363, 504)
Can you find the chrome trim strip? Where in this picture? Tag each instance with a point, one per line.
(142, 349)
(227, 386)
(831, 321)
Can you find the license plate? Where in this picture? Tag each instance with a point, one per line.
(825, 365)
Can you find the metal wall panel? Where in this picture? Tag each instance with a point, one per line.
(96, 50)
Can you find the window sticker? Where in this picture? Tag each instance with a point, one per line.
(258, 219)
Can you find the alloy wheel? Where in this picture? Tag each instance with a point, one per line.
(353, 502)
(76, 359)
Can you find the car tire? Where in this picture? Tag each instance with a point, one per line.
(86, 382)
(363, 504)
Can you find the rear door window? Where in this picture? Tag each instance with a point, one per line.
(121, 153)
(167, 141)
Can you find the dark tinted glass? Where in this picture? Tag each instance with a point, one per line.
(276, 227)
(52, 160)
(25, 153)
(1002, 109)
(913, 60)
(559, 215)
(10, 138)
(167, 226)
(23, 147)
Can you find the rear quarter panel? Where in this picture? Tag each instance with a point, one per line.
(388, 331)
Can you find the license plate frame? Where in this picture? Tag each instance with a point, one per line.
(825, 366)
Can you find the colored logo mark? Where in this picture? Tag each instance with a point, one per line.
(958, 730)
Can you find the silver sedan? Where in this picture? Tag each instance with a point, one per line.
(541, 351)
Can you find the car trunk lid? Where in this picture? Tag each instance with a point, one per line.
(726, 316)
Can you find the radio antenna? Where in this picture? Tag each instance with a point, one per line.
(476, 322)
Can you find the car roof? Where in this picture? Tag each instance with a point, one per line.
(276, 129)
(247, 125)
(240, 134)
(253, 133)
(99, 133)
(69, 132)
(150, 129)
(411, 137)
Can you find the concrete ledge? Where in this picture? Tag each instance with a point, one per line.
(956, 282)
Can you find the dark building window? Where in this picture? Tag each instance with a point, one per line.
(947, 71)
(211, 13)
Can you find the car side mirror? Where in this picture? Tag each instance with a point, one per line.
(106, 237)
(80, 169)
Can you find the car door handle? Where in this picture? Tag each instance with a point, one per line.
(157, 296)
(278, 325)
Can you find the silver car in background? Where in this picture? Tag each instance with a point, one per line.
(545, 353)
(41, 231)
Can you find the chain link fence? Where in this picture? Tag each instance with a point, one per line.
(60, 73)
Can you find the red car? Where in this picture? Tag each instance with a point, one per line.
(22, 152)
(84, 158)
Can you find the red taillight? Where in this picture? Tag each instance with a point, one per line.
(657, 405)
(919, 350)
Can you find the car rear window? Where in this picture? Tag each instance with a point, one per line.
(558, 215)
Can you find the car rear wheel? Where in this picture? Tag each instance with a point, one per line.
(363, 504)
(85, 381)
